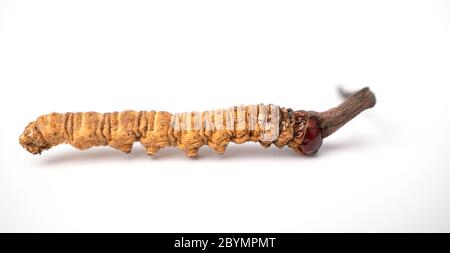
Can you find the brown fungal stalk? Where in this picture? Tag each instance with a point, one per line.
(267, 124)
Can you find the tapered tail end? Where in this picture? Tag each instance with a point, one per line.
(32, 140)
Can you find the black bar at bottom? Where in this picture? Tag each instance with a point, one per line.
(225, 241)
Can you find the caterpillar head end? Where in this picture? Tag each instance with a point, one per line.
(32, 140)
(313, 137)
(307, 132)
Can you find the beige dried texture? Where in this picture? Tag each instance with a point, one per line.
(189, 131)
(157, 130)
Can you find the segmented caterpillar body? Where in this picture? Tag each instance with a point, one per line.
(266, 124)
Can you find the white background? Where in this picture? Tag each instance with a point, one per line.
(386, 171)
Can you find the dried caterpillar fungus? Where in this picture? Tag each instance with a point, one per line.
(267, 124)
(156, 130)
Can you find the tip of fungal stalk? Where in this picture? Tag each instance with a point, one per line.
(32, 140)
(366, 95)
(345, 94)
(354, 104)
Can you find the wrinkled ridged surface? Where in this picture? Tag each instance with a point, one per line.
(265, 124)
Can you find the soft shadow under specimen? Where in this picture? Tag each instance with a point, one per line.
(234, 152)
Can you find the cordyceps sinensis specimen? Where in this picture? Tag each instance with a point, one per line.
(267, 124)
